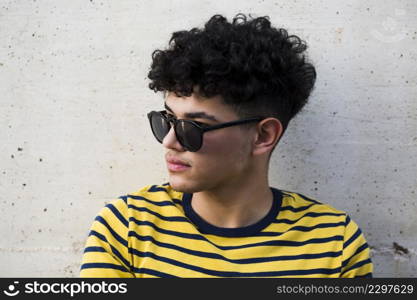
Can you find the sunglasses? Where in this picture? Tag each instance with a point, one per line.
(188, 133)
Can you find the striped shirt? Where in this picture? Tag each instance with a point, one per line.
(156, 233)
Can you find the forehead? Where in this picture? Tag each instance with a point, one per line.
(212, 106)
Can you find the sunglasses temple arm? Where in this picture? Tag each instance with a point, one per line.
(228, 124)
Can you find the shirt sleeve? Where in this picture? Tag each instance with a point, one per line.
(356, 261)
(106, 253)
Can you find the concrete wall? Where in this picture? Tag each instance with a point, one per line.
(74, 132)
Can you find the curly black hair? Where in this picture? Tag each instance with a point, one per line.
(257, 69)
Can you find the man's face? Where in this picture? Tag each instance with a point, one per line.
(225, 156)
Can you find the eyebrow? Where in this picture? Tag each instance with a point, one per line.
(195, 115)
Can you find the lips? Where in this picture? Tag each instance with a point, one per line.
(176, 165)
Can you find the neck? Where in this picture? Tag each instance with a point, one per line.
(235, 205)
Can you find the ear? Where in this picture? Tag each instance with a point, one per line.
(269, 131)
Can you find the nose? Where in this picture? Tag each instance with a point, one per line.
(170, 141)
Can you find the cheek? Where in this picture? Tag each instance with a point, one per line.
(223, 150)
(219, 145)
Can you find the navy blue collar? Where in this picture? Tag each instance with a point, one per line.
(207, 228)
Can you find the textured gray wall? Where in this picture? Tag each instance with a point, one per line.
(74, 132)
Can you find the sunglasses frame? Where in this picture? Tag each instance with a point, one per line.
(172, 121)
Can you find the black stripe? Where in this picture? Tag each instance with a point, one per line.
(323, 225)
(236, 261)
(155, 188)
(116, 212)
(359, 250)
(358, 265)
(153, 272)
(171, 219)
(169, 232)
(267, 243)
(113, 249)
(302, 228)
(170, 202)
(352, 238)
(296, 209)
(347, 220)
(94, 249)
(233, 274)
(159, 203)
(177, 201)
(310, 214)
(103, 266)
(113, 233)
(99, 235)
(367, 275)
(124, 198)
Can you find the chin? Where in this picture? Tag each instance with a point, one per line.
(184, 185)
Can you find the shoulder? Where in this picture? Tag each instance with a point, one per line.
(154, 197)
(312, 216)
(150, 198)
(301, 208)
(148, 193)
(153, 194)
(301, 203)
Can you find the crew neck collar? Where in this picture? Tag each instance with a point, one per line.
(207, 228)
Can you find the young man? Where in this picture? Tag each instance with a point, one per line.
(230, 90)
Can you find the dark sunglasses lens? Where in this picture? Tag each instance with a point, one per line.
(189, 136)
(160, 126)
